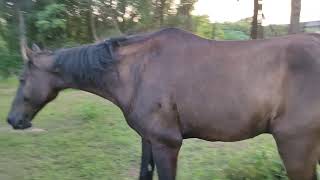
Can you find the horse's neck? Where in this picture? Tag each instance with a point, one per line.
(119, 91)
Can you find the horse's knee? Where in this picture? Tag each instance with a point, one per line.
(165, 157)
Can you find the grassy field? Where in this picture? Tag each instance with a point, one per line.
(86, 138)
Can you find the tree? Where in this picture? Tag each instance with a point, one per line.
(92, 20)
(20, 7)
(56, 23)
(184, 11)
(256, 25)
(203, 26)
(144, 8)
(13, 34)
(161, 9)
(22, 34)
(51, 24)
(295, 17)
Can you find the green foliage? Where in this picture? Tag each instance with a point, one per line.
(218, 33)
(3, 46)
(51, 23)
(144, 8)
(3, 31)
(242, 26)
(10, 61)
(235, 31)
(235, 35)
(275, 30)
(203, 27)
(221, 31)
(10, 64)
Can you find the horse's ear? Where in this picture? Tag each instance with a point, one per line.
(35, 48)
(28, 54)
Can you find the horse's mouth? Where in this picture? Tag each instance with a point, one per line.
(22, 125)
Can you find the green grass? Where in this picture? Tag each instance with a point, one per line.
(87, 137)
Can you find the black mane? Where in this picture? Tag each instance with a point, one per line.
(87, 64)
(84, 64)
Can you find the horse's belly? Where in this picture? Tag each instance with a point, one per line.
(228, 130)
(224, 121)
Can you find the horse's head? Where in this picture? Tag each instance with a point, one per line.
(38, 86)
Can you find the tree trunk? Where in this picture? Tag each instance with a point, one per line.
(161, 11)
(185, 8)
(114, 17)
(92, 23)
(93, 27)
(22, 35)
(295, 17)
(256, 28)
(254, 24)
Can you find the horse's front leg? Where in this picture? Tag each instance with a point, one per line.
(166, 157)
(300, 153)
(157, 124)
(147, 163)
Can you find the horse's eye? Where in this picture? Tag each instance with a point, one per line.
(26, 99)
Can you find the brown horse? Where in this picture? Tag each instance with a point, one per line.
(173, 85)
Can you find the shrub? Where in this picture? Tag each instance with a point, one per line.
(9, 64)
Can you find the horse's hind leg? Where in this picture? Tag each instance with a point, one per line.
(147, 163)
(299, 155)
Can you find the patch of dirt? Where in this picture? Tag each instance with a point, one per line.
(133, 172)
(30, 130)
(5, 128)
(37, 130)
(7, 91)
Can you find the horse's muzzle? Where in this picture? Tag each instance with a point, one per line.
(20, 124)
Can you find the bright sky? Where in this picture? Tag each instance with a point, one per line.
(275, 11)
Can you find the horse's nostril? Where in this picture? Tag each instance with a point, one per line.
(19, 124)
(9, 121)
